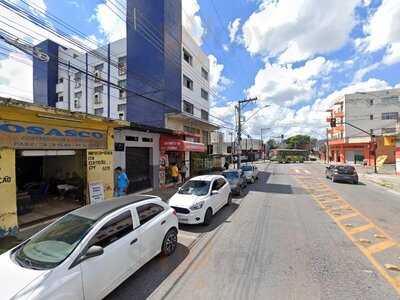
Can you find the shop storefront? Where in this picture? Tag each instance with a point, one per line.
(176, 151)
(51, 162)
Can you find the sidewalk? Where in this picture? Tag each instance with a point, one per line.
(385, 177)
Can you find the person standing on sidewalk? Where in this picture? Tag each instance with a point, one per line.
(184, 170)
(122, 182)
(174, 173)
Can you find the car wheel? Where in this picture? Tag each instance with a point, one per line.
(207, 217)
(170, 243)
(355, 181)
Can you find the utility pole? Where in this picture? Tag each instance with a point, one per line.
(262, 142)
(239, 132)
(327, 153)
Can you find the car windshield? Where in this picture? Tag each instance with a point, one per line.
(195, 187)
(246, 168)
(231, 175)
(54, 244)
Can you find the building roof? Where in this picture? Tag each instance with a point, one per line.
(99, 210)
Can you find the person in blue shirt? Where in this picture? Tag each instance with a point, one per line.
(122, 182)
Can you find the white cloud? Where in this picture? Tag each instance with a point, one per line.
(111, 18)
(233, 28)
(16, 77)
(191, 21)
(309, 119)
(382, 30)
(359, 75)
(311, 26)
(285, 85)
(218, 82)
(225, 47)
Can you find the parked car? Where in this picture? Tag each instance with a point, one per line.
(200, 198)
(89, 252)
(250, 173)
(236, 179)
(342, 173)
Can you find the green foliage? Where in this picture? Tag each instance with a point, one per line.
(298, 142)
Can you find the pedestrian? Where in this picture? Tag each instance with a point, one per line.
(184, 169)
(122, 182)
(174, 173)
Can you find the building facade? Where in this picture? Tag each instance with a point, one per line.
(51, 162)
(376, 113)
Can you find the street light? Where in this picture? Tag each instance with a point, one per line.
(255, 113)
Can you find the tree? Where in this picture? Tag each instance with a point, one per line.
(298, 142)
(271, 144)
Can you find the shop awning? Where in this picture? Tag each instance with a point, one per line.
(170, 144)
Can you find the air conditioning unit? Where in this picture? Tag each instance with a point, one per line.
(97, 98)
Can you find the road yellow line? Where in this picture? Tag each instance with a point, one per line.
(362, 228)
(367, 251)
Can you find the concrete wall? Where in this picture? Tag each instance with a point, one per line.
(200, 60)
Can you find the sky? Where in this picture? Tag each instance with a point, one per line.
(296, 57)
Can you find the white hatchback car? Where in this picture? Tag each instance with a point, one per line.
(87, 253)
(250, 172)
(200, 198)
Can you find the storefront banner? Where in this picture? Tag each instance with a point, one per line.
(100, 170)
(167, 144)
(20, 135)
(96, 192)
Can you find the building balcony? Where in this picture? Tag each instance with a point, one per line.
(338, 114)
(337, 129)
(337, 142)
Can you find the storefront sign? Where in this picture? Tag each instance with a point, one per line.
(96, 192)
(100, 169)
(168, 144)
(19, 135)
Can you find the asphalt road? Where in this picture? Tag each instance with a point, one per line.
(293, 235)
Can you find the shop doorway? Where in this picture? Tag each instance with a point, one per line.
(138, 168)
(49, 184)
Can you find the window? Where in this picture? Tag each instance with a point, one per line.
(371, 131)
(388, 130)
(187, 57)
(148, 211)
(99, 111)
(188, 107)
(61, 80)
(204, 94)
(204, 73)
(113, 230)
(187, 82)
(122, 65)
(191, 130)
(390, 116)
(78, 80)
(131, 138)
(60, 99)
(371, 102)
(121, 107)
(147, 140)
(97, 99)
(122, 94)
(122, 83)
(77, 104)
(204, 115)
(121, 116)
(218, 184)
(371, 117)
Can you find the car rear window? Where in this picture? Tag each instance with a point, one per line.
(345, 169)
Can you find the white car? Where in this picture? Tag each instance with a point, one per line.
(89, 252)
(200, 198)
(250, 172)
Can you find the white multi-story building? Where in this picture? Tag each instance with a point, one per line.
(375, 113)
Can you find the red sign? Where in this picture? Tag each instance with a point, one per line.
(170, 144)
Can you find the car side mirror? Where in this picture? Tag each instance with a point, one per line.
(214, 192)
(93, 251)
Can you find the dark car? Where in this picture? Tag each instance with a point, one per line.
(342, 173)
(236, 180)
